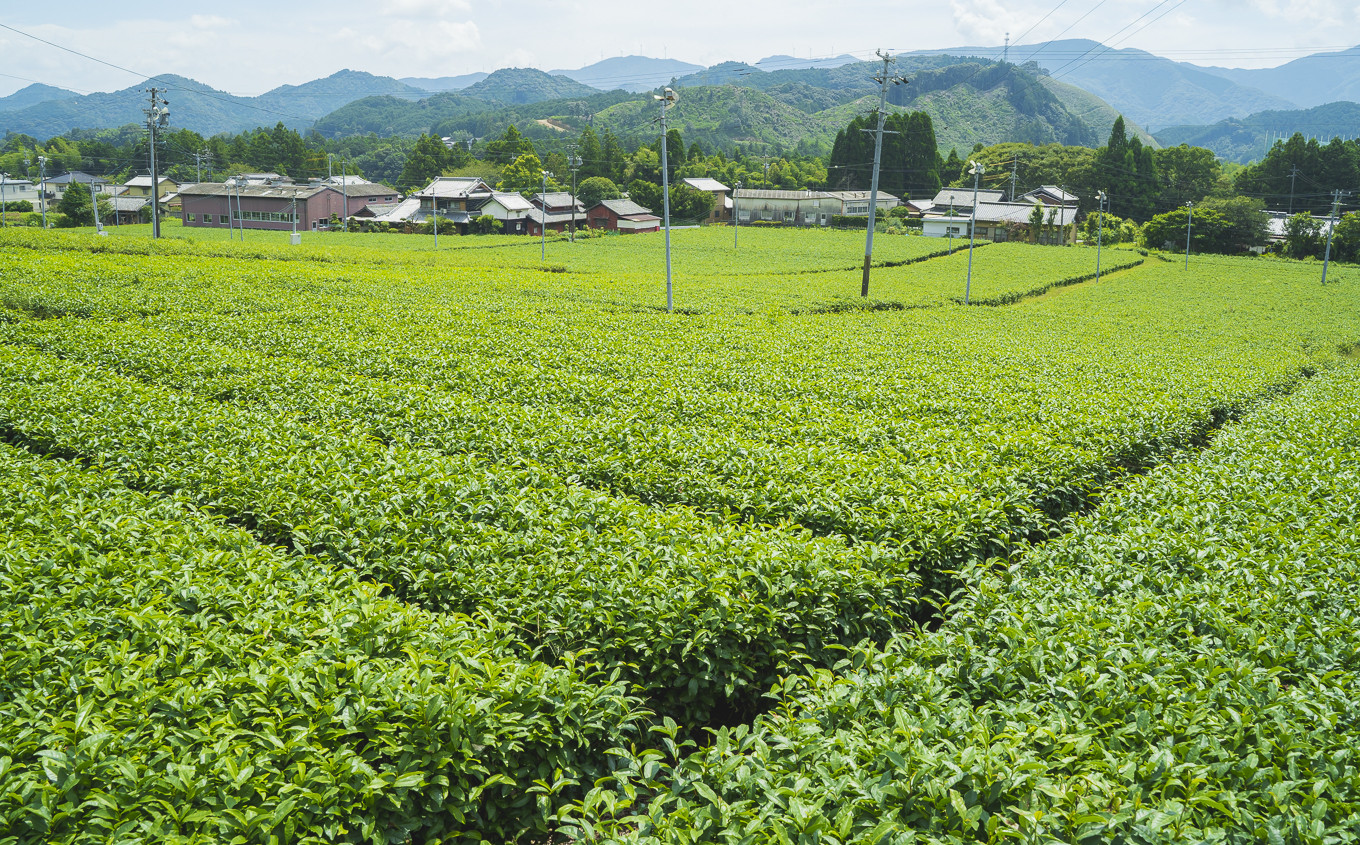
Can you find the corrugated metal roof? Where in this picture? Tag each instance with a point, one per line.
(624, 208)
(703, 183)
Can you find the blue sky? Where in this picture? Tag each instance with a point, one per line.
(250, 46)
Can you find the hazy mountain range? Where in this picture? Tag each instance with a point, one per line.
(1087, 83)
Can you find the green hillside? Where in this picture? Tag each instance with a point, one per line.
(1246, 139)
(970, 101)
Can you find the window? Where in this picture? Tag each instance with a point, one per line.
(222, 218)
(189, 218)
(743, 216)
(263, 216)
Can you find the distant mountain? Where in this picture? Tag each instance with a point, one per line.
(520, 85)
(33, 95)
(773, 63)
(445, 83)
(1307, 82)
(323, 96)
(726, 73)
(972, 102)
(203, 109)
(630, 73)
(1093, 111)
(1147, 89)
(398, 116)
(1247, 139)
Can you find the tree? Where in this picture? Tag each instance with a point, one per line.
(592, 155)
(1248, 224)
(1303, 236)
(1346, 238)
(645, 194)
(509, 146)
(1187, 173)
(1036, 222)
(76, 209)
(597, 188)
(525, 176)
(690, 203)
(486, 225)
(1210, 231)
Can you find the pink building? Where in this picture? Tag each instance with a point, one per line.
(218, 205)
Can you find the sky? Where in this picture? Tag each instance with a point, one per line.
(250, 46)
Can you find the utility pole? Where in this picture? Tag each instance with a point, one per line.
(883, 78)
(344, 195)
(543, 220)
(977, 170)
(434, 207)
(157, 117)
(42, 176)
(1015, 172)
(3, 211)
(574, 162)
(94, 204)
(1006, 51)
(1327, 256)
(1190, 218)
(735, 220)
(1293, 174)
(667, 99)
(1100, 227)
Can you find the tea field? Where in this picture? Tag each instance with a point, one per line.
(359, 541)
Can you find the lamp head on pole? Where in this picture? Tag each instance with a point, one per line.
(976, 169)
(668, 95)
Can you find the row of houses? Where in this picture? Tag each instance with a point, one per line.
(278, 204)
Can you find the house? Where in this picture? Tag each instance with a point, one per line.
(790, 208)
(997, 220)
(13, 190)
(256, 206)
(557, 211)
(622, 215)
(856, 203)
(452, 198)
(511, 210)
(140, 186)
(962, 198)
(722, 202)
(1050, 195)
(127, 210)
(56, 185)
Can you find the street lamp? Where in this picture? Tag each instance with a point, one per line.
(42, 171)
(543, 220)
(735, 219)
(667, 98)
(977, 170)
(1101, 198)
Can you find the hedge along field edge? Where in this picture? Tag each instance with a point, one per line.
(1181, 665)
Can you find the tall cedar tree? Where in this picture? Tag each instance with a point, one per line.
(911, 163)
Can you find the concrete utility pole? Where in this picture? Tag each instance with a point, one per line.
(94, 204)
(1101, 197)
(1293, 174)
(1190, 218)
(344, 198)
(1327, 256)
(574, 162)
(667, 98)
(157, 117)
(977, 170)
(42, 186)
(434, 208)
(543, 220)
(735, 219)
(1015, 172)
(883, 78)
(3, 211)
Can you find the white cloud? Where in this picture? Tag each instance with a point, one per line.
(980, 22)
(425, 9)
